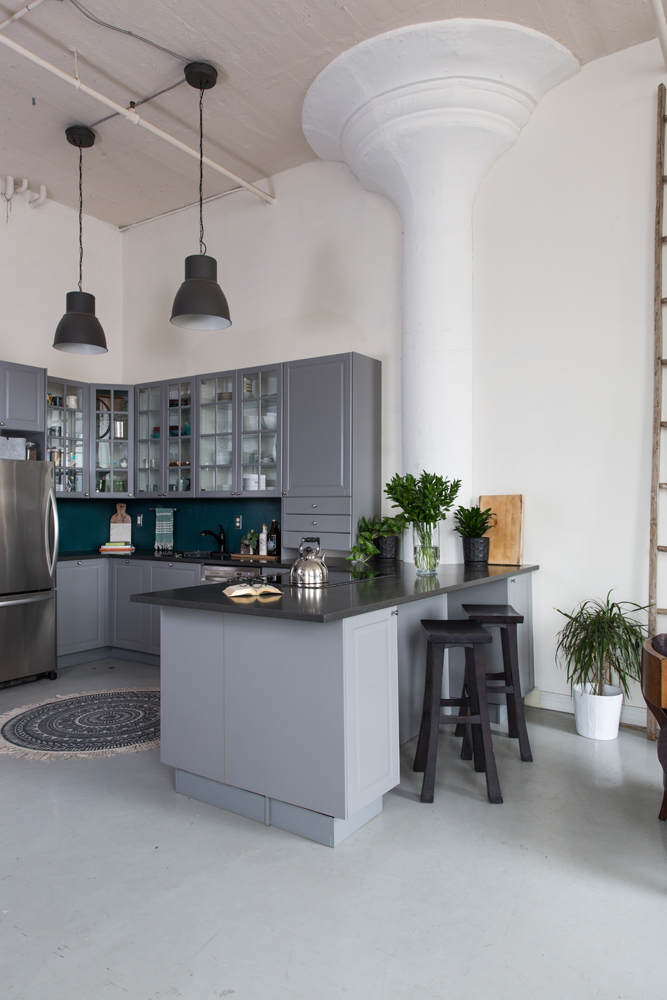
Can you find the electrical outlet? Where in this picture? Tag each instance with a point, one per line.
(140, 520)
(238, 522)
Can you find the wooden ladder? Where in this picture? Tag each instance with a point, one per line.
(659, 363)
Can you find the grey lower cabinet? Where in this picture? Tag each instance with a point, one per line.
(331, 448)
(22, 397)
(137, 626)
(81, 605)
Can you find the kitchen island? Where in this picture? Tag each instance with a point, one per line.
(290, 709)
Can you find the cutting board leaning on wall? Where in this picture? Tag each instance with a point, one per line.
(506, 534)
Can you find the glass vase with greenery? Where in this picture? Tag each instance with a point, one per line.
(249, 542)
(424, 502)
(599, 640)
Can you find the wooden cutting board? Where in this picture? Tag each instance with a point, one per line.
(506, 546)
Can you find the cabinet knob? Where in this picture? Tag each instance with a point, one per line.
(171, 564)
(313, 522)
(79, 563)
(2, 423)
(314, 505)
(284, 493)
(127, 561)
(87, 494)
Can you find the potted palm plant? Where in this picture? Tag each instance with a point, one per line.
(471, 524)
(424, 502)
(601, 641)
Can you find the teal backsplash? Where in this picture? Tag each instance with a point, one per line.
(84, 524)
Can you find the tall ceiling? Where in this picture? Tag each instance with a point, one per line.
(267, 53)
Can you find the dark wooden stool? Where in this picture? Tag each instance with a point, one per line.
(506, 619)
(442, 635)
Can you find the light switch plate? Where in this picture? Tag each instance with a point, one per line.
(140, 520)
(239, 521)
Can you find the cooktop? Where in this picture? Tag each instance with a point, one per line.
(337, 578)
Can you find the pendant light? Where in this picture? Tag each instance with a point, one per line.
(80, 331)
(200, 303)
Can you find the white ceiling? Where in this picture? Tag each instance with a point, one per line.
(267, 52)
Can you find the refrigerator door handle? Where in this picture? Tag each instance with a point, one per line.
(51, 512)
(47, 595)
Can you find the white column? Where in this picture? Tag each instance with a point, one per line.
(420, 114)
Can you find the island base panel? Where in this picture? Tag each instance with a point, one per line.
(327, 830)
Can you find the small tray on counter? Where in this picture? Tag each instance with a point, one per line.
(253, 558)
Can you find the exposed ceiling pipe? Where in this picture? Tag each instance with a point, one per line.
(661, 23)
(20, 13)
(131, 116)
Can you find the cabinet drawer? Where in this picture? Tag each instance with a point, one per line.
(313, 524)
(323, 505)
(331, 541)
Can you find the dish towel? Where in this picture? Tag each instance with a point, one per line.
(164, 529)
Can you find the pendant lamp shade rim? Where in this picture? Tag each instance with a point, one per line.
(200, 303)
(80, 331)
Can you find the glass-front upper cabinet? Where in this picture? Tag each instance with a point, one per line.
(259, 408)
(67, 434)
(149, 424)
(112, 440)
(180, 435)
(216, 400)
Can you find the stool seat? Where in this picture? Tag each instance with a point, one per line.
(457, 633)
(493, 614)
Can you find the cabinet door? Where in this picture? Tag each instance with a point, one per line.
(68, 435)
(179, 437)
(259, 425)
(317, 427)
(130, 622)
(170, 577)
(81, 602)
(149, 431)
(22, 396)
(112, 440)
(215, 453)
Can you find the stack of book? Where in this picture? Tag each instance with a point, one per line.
(117, 548)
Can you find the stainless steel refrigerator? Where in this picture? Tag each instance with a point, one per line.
(28, 554)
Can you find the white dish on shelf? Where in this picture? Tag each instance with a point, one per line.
(270, 421)
(250, 423)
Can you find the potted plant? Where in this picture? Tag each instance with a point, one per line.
(249, 543)
(471, 524)
(599, 640)
(365, 547)
(424, 502)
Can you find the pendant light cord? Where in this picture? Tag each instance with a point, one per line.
(80, 216)
(202, 245)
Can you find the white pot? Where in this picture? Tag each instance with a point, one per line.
(597, 717)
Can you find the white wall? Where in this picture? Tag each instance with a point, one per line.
(317, 273)
(564, 338)
(39, 264)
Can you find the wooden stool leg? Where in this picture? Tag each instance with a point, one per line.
(462, 729)
(473, 745)
(425, 727)
(492, 782)
(663, 808)
(516, 719)
(428, 785)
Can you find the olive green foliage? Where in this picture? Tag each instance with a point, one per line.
(377, 527)
(599, 640)
(251, 539)
(425, 500)
(471, 522)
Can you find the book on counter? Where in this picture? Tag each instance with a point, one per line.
(117, 548)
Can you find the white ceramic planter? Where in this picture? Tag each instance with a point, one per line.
(597, 717)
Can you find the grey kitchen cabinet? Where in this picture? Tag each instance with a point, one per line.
(112, 441)
(129, 623)
(165, 426)
(68, 435)
(81, 605)
(217, 439)
(22, 398)
(259, 431)
(169, 576)
(331, 448)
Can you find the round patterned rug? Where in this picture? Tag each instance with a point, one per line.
(98, 724)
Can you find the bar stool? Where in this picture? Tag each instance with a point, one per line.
(506, 619)
(443, 635)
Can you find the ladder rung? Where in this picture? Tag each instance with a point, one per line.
(662, 548)
(664, 361)
(661, 611)
(664, 301)
(664, 239)
(662, 486)
(663, 423)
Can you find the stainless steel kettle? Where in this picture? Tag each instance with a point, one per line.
(309, 570)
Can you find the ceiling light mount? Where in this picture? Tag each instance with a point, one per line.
(201, 75)
(80, 136)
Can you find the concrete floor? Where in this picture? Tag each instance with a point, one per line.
(111, 884)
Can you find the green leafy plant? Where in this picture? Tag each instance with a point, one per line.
(251, 539)
(425, 500)
(471, 522)
(365, 547)
(600, 639)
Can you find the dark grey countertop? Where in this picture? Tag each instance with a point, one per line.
(210, 557)
(330, 604)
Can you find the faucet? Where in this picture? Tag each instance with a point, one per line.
(220, 539)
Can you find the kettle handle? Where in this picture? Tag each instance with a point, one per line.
(311, 538)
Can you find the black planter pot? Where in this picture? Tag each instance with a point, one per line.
(388, 547)
(475, 550)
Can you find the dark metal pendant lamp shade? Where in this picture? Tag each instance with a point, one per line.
(80, 331)
(200, 303)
